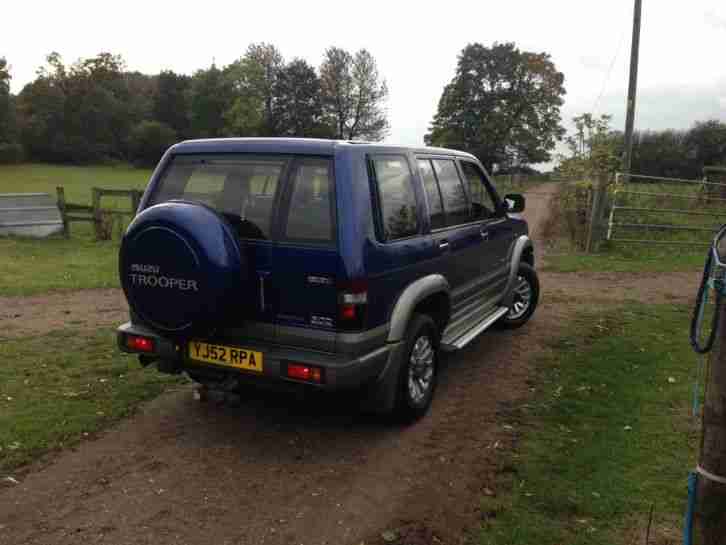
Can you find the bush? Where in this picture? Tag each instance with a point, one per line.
(11, 153)
(149, 140)
(567, 224)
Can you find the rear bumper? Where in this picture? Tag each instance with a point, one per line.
(341, 372)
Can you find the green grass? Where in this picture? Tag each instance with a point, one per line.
(609, 435)
(628, 260)
(58, 387)
(77, 181)
(30, 266)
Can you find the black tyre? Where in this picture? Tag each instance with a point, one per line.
(526, 297)
(418, 369)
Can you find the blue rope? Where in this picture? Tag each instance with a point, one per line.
(690, 509)
(697, 387)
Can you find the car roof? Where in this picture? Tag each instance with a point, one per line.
(305, 146)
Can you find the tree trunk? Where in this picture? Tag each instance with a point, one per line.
(710, 519)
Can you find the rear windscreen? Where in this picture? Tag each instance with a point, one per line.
(246, 189)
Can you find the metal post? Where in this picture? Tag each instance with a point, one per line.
(710, 519)
(62, 209)
(632, 87)
(612, 207)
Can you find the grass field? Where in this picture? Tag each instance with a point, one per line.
(77, 181)
(609, 435)
(59, 387)
(628, 260)
(30, 266)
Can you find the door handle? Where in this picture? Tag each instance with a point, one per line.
(484, 234)
(443, 244)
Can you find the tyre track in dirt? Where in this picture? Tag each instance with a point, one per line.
(301, 471)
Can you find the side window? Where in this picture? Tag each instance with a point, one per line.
(482, 201)
(397, 196)
(433, 196)
(453, 194)
(310, 216)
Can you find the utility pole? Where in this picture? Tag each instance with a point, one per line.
(710, 509)
(632, 88)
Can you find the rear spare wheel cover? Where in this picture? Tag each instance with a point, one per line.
(180, 267)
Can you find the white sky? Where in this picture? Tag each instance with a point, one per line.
(682, 75)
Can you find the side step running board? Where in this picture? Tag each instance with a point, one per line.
(449, 343)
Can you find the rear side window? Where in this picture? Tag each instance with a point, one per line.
(453, 194)
(482, 202)
(310, 217)
(433, 196)
(397, 197)
(241, 187)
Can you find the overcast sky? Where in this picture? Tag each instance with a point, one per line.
(682, 75)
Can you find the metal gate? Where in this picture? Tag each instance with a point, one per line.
(666, 211)
(29, 214)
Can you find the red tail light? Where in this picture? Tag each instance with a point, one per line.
(352, 303)
(138, 343)
(307, 373)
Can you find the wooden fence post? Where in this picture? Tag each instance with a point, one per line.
(97, 215)
(597, 212)
(62, 208)
(710, 512)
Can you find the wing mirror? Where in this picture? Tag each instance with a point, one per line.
(514, 203)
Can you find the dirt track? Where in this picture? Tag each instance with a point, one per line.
(276, 470)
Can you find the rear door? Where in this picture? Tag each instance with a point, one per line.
(245, 189)
(305, 259)
(456, 236)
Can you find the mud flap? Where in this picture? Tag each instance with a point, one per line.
(381, 398)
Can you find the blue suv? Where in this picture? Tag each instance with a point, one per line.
(341, 265)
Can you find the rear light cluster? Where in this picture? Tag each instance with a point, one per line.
(137, 343)
(305, 373)
(352, 304)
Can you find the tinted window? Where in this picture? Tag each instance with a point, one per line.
(397, 196)
(482, 202)
(433, 197)
(242, 187)
(456, 204)
(310, 216)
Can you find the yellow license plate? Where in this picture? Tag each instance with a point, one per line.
(230, 356)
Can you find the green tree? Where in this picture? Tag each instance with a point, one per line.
(82, 112)
(594, 147)
(254, 110)
(663, 153)
(7, 105)
(503, 106)
(10, 150)
(149, 140)
(706, 143)
(299, 105)
(354, 95)
(171, 101)
(211, 95)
